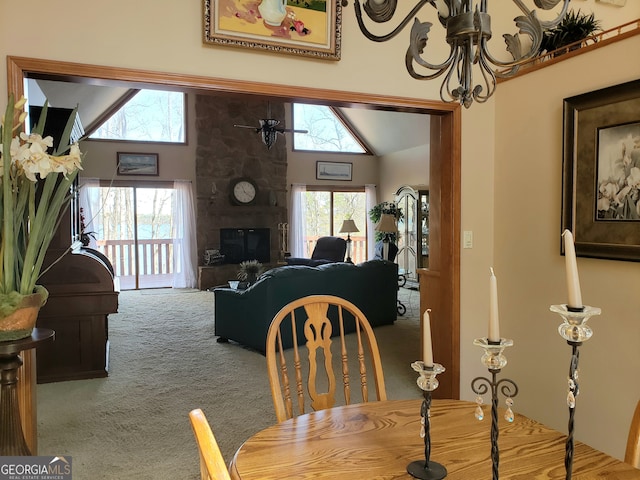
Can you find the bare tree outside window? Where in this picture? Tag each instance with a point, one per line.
(325, 212)
(150, 116)
(326, 132)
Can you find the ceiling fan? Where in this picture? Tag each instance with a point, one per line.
(269, 129)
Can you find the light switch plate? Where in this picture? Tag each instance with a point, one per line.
(467, 241)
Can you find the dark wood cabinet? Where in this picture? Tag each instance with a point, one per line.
(82, 294)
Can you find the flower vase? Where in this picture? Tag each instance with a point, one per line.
(18, 317)
(273, 11)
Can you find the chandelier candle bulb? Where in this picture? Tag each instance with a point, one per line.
(573, 281)
(427, 350)
(494, 324)
(443, 9)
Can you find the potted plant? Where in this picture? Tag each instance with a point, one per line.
(575, 26)
(376, 213)
(248, 272)
(34, 188)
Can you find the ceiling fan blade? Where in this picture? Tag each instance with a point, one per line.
(247, 126)
(282, 130)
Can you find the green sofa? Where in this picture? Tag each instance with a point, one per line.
(244, 316)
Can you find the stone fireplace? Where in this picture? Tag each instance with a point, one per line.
(225, 153)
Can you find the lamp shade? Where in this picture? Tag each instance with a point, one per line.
(348, 226)
(387, 224)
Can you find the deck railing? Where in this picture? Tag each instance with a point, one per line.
(155, 256)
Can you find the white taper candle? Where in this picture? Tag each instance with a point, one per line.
(573, 281)
(427, 349)
(494, 322)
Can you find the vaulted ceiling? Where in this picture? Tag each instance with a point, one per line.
(384, 131)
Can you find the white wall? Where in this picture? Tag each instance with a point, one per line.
(530, 270)
(165, 36)
(406, 167)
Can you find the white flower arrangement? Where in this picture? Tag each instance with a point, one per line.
(35, 186)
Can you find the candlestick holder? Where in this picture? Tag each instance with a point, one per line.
(574, 330)
(427, 381)
(495, 361)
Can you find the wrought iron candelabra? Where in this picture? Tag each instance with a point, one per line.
(427, 381)
(574, 330)
(494, 360)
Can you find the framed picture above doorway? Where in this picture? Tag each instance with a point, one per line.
(333, 171)
(311, 29)
(137, 163)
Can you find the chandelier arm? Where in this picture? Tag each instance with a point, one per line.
(514, 63)
(529, 25)
(546, 5)
(508, 73)
(454, 96)
(489, 77)
(417, 44)
(409, 63)
(394, 32)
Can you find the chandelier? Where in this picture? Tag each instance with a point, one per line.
(468, 31)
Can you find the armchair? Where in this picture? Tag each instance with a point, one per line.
(327, 250)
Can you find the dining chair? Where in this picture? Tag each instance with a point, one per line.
(212, 466)
(315, 319)
(632, 453)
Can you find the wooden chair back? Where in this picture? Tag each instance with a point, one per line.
(212, 466)
(358, 352)
(632, 453)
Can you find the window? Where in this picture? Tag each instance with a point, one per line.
(326, 210)
(150, 116)
(326, 131)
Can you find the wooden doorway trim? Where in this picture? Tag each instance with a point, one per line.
(445, 164)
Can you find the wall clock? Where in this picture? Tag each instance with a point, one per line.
(243, 191)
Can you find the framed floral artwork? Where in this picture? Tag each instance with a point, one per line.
(307, 28)
(601, 172)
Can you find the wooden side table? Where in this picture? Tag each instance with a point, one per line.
(12, 442)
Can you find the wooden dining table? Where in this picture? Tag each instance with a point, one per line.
(377, 440)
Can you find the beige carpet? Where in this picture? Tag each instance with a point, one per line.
(165, 361)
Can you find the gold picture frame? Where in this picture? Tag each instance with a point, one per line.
(272, 26)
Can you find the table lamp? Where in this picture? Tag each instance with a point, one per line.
(348, 227)
(386, 225)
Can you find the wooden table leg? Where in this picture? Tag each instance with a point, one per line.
(12, 442)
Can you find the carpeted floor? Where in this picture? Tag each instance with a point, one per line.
(164, 361)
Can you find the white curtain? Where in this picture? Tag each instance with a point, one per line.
(89, 201)
(184, 236)
(297, 228)
(371, 200)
